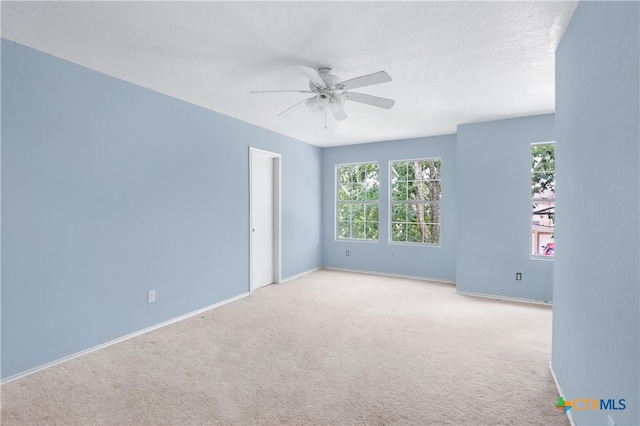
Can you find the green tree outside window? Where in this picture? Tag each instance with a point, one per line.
(358, 193)
(416, 191)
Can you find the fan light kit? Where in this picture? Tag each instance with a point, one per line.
(329, 92)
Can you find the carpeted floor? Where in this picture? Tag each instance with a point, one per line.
(328, 348)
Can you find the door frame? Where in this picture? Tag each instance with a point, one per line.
(277, 216)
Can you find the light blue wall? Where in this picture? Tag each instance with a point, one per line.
(596, 317)
(380, 256)
(494, 207)
(110, 190)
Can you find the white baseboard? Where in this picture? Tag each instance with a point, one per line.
(301, 274)
(555, 379)
(118, 340)
(384, 274)
(505, 298)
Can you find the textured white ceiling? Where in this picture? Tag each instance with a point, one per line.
(451, 62)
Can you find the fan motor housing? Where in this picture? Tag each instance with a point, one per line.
(327, 77)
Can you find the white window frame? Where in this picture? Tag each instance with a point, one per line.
(391, 202)
(532, 239)
(337, 204)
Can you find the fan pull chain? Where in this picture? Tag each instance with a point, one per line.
(325, 118)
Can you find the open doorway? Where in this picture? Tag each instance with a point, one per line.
(265, 218)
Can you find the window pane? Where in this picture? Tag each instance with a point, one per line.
(543, 158)
(431, 190)
(371, 213)
(399, 171)
(353, 173)
(398, 232)
(430, 169)
(371, 230)
(414, 190)
(343, 175)
(372, 193)
(357, 212)
(414, 212)
(399, 191)
(344, 212)
(398, 212)
(358, 193)
(433, 233)
(432, 213)
(411, 170)
(543, 184)
(357, 229)
(362, 172)
(542, 229)
(414, 233)
(344, 192)
(344, 230)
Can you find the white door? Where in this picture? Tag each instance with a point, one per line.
(264, 194)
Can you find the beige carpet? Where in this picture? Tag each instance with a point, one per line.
(329, 348)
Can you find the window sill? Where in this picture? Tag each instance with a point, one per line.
(355, 240)
(543, 258)
(398, 243)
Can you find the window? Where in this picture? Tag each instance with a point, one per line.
(543, 199)
(416, 189)
(358, 189)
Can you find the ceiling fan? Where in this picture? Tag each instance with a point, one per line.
(329, 92)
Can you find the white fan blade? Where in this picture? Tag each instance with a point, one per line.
(292, 107)
(312, 105)
(313, 75)
(338, 111)
(279, 91)
(365, 80)
(370, 100)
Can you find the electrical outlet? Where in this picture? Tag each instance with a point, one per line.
(518, 276)
(151, 296)
(347, 252)
(610, 421)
